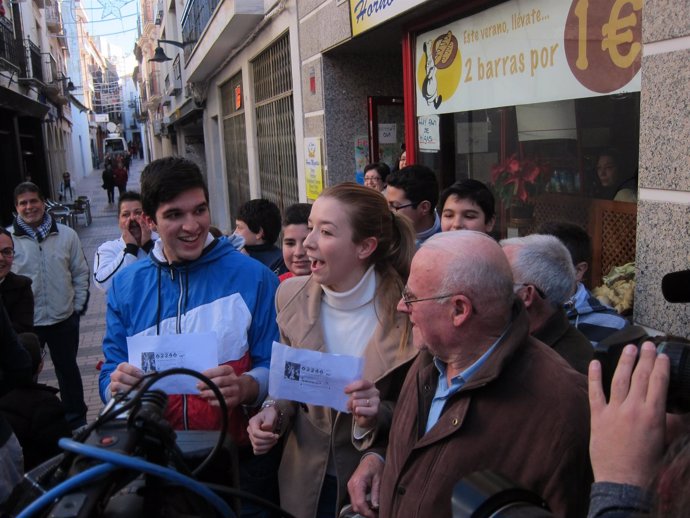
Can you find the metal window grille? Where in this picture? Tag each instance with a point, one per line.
(195, 17)
(10, 48)
(235, 144)
(275, 124)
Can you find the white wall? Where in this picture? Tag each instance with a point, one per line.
(213, 127)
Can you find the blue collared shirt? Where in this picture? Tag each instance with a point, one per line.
(444, 392)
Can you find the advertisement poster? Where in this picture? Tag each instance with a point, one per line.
(361, 157)
(530, 51)
(313, 170)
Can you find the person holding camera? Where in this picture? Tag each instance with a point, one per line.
(629, 436)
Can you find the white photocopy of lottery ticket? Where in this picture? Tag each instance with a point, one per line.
(195, 351)
(312, 377)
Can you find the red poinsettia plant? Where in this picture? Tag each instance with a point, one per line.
(516, 181)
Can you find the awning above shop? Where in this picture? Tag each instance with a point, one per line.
(185, 114)
(14, 101)
(76, 102)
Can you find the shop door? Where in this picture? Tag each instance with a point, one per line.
(386, 129)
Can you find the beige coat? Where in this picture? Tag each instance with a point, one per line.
(315, 432)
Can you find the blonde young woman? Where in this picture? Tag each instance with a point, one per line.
(360, 254)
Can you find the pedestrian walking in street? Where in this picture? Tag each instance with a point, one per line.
(108, 178)
(67, 190)
(50, 254)
(120, 175)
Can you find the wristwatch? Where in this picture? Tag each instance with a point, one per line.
(278, 428)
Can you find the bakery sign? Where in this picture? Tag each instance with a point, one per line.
(365, 14)
(530, 51)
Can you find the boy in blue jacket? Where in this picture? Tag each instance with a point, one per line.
(194, 283)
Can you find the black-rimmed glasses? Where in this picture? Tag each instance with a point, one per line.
(396, 208)
(7, 252)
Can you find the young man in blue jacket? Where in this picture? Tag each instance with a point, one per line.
(194, 283)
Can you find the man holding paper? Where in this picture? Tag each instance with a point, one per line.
(203, 292)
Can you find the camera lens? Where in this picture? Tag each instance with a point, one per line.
(678, 399)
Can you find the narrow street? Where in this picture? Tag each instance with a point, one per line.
(103, 228)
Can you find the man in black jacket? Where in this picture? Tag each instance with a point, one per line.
(15, 289)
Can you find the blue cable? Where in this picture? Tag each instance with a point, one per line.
(138, 464)
(68, 485)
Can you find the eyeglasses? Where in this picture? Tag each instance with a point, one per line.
(7, 252)
(396, 208)
(519, 285)
(372, 178)
(410, 299)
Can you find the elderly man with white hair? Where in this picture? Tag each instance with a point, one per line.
(481, 395)
(544, 280)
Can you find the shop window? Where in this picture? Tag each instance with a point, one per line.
(575, 144)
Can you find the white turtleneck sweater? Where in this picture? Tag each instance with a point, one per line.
(349, 318)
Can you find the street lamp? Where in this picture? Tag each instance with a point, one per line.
(159, 54)
(70, 85)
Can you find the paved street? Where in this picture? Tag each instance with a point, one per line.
(103, 228)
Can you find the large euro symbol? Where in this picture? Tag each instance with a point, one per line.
(617, 31)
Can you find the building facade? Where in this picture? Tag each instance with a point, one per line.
(553, 83)
(35, 92)
(287, 97)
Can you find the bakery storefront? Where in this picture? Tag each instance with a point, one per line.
(541, 101)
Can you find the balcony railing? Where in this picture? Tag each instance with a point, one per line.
(35, 59)
(53, 19)
(52, 69)
(195, 18)
(10, 48)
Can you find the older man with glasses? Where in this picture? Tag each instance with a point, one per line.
(545, 279)
(481, 395)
